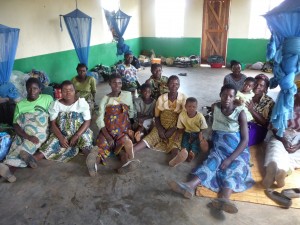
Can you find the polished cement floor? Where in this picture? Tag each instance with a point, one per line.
(63, 193)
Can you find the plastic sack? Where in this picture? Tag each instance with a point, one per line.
(5, 142)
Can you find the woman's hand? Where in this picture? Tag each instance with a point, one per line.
(74, 140)
(161, 132)
(225, 163)
(170, 132)
(33, 139)
(250, 106)
(64, 142)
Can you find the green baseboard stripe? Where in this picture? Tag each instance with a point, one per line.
(61, 66)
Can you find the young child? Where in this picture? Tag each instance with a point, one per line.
(190, 123)
(245, 95)
(144, 107)
(157, 81)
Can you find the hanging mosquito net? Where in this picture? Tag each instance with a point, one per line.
(79, 27)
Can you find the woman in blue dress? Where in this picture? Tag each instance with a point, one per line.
(227, 168)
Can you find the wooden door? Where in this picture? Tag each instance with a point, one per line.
(214, 28)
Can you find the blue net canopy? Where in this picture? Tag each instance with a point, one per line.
(118, 23)
(284, 49)
(9, 38)
(79, 26)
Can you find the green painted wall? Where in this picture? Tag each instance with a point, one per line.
(247, 51)
(172, 47)
(244, 50)
(61, 66)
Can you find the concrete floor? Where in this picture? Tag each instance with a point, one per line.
(63, 193)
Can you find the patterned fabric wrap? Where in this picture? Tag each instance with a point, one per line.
(168, 119)
(117, 122)
(35, 124)
(68, 123)
(158, 87)
(237, 176)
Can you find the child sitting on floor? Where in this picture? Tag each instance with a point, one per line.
(144, 107)
(246, 95)
(190, 123)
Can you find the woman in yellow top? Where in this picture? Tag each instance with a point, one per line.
(85, 86)
(167, 110)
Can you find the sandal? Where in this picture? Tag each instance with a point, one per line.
(179, 158)
(91, 162)
(129, 166)
(225, 205)
(28, 159)
(6, 174)
(291, 192)
(279, 198)
(181, 188)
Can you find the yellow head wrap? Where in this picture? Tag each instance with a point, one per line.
(297, 82)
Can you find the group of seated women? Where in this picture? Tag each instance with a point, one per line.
(161, 118)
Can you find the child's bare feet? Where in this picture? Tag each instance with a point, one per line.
(191, 156)
(179, 158)
(137, 136)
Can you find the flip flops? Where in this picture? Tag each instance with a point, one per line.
(279, 198)
(291, 192)
(225, 205)
(6, 174)
(182, 74)
(129, 166)
(179, 158)
(181, 188)
(91, 161)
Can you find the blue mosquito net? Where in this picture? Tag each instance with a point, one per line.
(79, 26)
(118, 23)
(284, 49)
(8, 46)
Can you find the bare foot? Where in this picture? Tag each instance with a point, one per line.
(179, 158)
(129, 149)
(137, 136)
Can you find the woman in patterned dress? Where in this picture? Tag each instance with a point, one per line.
(70, 119)
(115, 111)
(31, 126)
(227, 168)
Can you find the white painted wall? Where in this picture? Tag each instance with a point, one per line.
(38, 21)
(238, 19)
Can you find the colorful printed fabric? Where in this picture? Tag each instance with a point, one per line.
(265, 106)
(237, 176)
(129, 77)
(158, 87)
(68, 123)
(168, 119)
(35, 124)
(86, 89)
(117, 123)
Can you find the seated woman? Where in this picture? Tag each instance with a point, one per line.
(70, 120)
(167, 110)
(236, 77)
(85, 86)
(31, 126)
(261, 109)
(129, 75)
(115, 111)
(157, 81)
(282, 153)
(227, 168)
